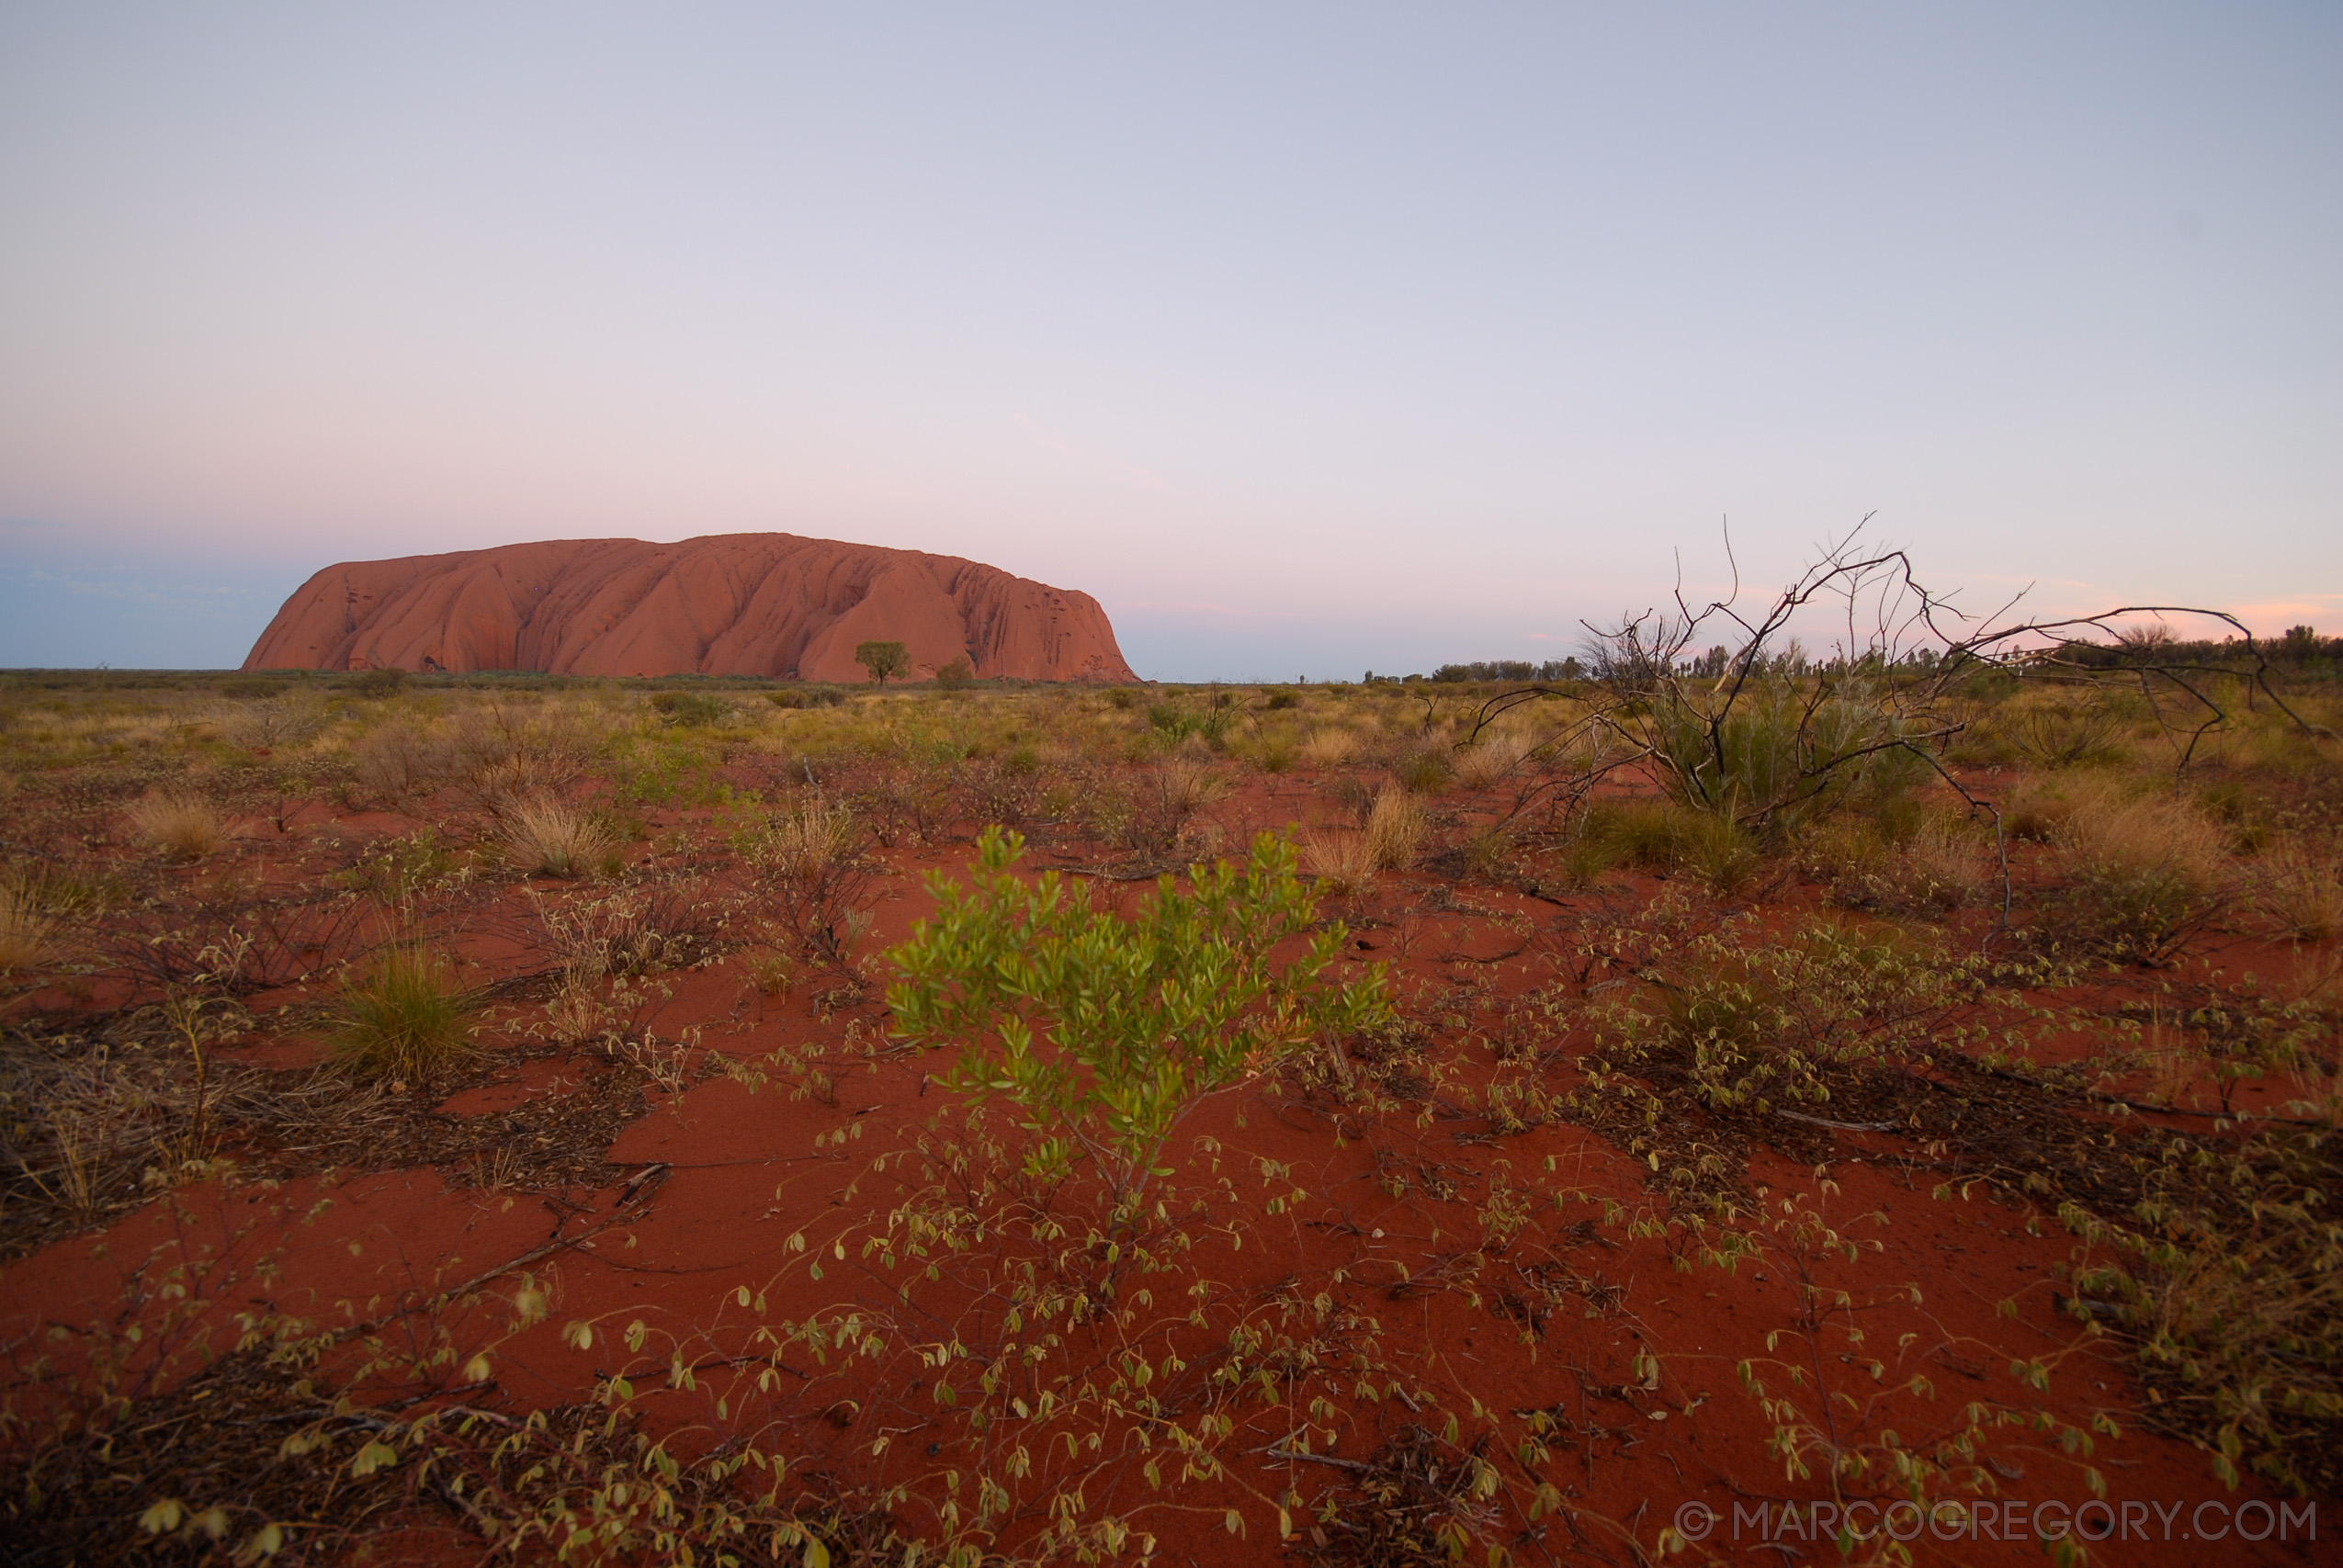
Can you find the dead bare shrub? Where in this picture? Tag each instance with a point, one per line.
(506, 750)
(402, 760)
(1154, 815)
(621, 934)
(490, 755)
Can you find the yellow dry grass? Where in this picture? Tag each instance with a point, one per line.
(182, 826)
(1395, 828)
(542, 834)
(1493, 758)
(1946, 862)
(1329, 748)
(1339, 858)
(2153, 832)
(800, 843)
(26, 931)
(1187, 782)
(2298, 887)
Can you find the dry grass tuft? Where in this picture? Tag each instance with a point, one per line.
(1329, 748)
(1340, 860)
(1395, 828)
(2143, 876)
(2298, 887)
(184, 827)
(26, 931)
(1945, 864)
(407, 1018)
(1187, 782)
(1496, 755)
(800, 844)
(2154, 833)
(2039, 807)
(770, 973)
(542, 834)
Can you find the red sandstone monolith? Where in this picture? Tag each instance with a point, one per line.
(768, 605)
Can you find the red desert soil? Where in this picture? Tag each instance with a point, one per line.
(1387, 1222)
(768, 604)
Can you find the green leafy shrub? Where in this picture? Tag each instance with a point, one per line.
(1105, 1030)
(1176, 721)
(690, 710)
(406, 1018)
(384, 681)
(807, 697)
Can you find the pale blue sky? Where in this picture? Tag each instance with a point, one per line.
(1307, 338)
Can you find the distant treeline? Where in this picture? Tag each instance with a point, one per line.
(1511, 670)
(2300, 648)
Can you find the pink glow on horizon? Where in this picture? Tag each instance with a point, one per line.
(1379, 337)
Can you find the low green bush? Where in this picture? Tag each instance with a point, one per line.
(1105, 1031)
(690, 710)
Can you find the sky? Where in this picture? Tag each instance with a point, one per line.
(1309, 339)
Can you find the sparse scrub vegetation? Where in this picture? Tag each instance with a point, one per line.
(1713, 986)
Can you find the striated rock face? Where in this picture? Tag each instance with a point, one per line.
(771, 605)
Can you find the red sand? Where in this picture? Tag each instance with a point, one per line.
(750, 1170)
